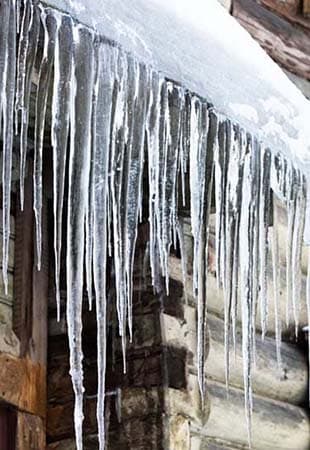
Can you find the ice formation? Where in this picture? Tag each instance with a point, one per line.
(110, 113)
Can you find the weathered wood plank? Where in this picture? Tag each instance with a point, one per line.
(275, 425)
(24, 260)
(285, 43)
(30, 432)
(22, 384)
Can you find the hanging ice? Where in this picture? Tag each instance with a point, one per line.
(109, 114)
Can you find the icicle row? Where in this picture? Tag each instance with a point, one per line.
(111, 109)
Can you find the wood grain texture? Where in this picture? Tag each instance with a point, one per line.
(287, 44)
(22, 384)
(291, 10)
(30, 432)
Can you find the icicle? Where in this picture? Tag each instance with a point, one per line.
(209, 140)
(22, 59)
(298, 233)
(80, 115)
(45, 74)
(220, 190)
(276, 281)
(152, 135)
(116, 164)
(246, 294)
(60, 131)
(184, 262)
(101, 141)
(264, 217)
(230, 272)
(170, 122)
(7, 92)
(134, 172)
(24, 77)
(4, 40)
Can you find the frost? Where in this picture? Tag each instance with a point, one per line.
(118, 126)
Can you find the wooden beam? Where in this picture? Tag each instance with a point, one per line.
(22, 384)
(30, 432)
(290, 10)
(306, 7)
(287, 44)
(24, 260)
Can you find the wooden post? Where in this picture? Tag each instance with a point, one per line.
(306, 9)
(30, 324)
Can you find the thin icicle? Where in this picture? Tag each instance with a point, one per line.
(291, 210)
(220, 190)
(7, 99)
(276, 281)
(24, 83)
(246, 294)
(101, 141)
(264, 217)
(184, 262)
(4, 41)
(118, 127)
(22, 60)
(60, 131)
(209, 133)
(134, 172)
(231, 198)
(298, 233)
(45, 74)
(80, 115)
(152, 135)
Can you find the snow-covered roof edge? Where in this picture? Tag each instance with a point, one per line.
(198, 44)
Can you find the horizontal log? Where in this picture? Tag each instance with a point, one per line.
(288, 383)
(275, 425)
(23, 384)
(216, 303)
(210, 444)
(286, 44)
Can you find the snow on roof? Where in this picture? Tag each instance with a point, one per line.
(198, 44)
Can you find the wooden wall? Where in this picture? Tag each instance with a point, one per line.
(157, 404)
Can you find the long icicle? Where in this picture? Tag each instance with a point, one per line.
(101, 141)
(8, 92)
(45, 74)
(63, 59)
(80, 115)
(32, 40)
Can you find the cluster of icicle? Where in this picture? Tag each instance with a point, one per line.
(110, 117)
